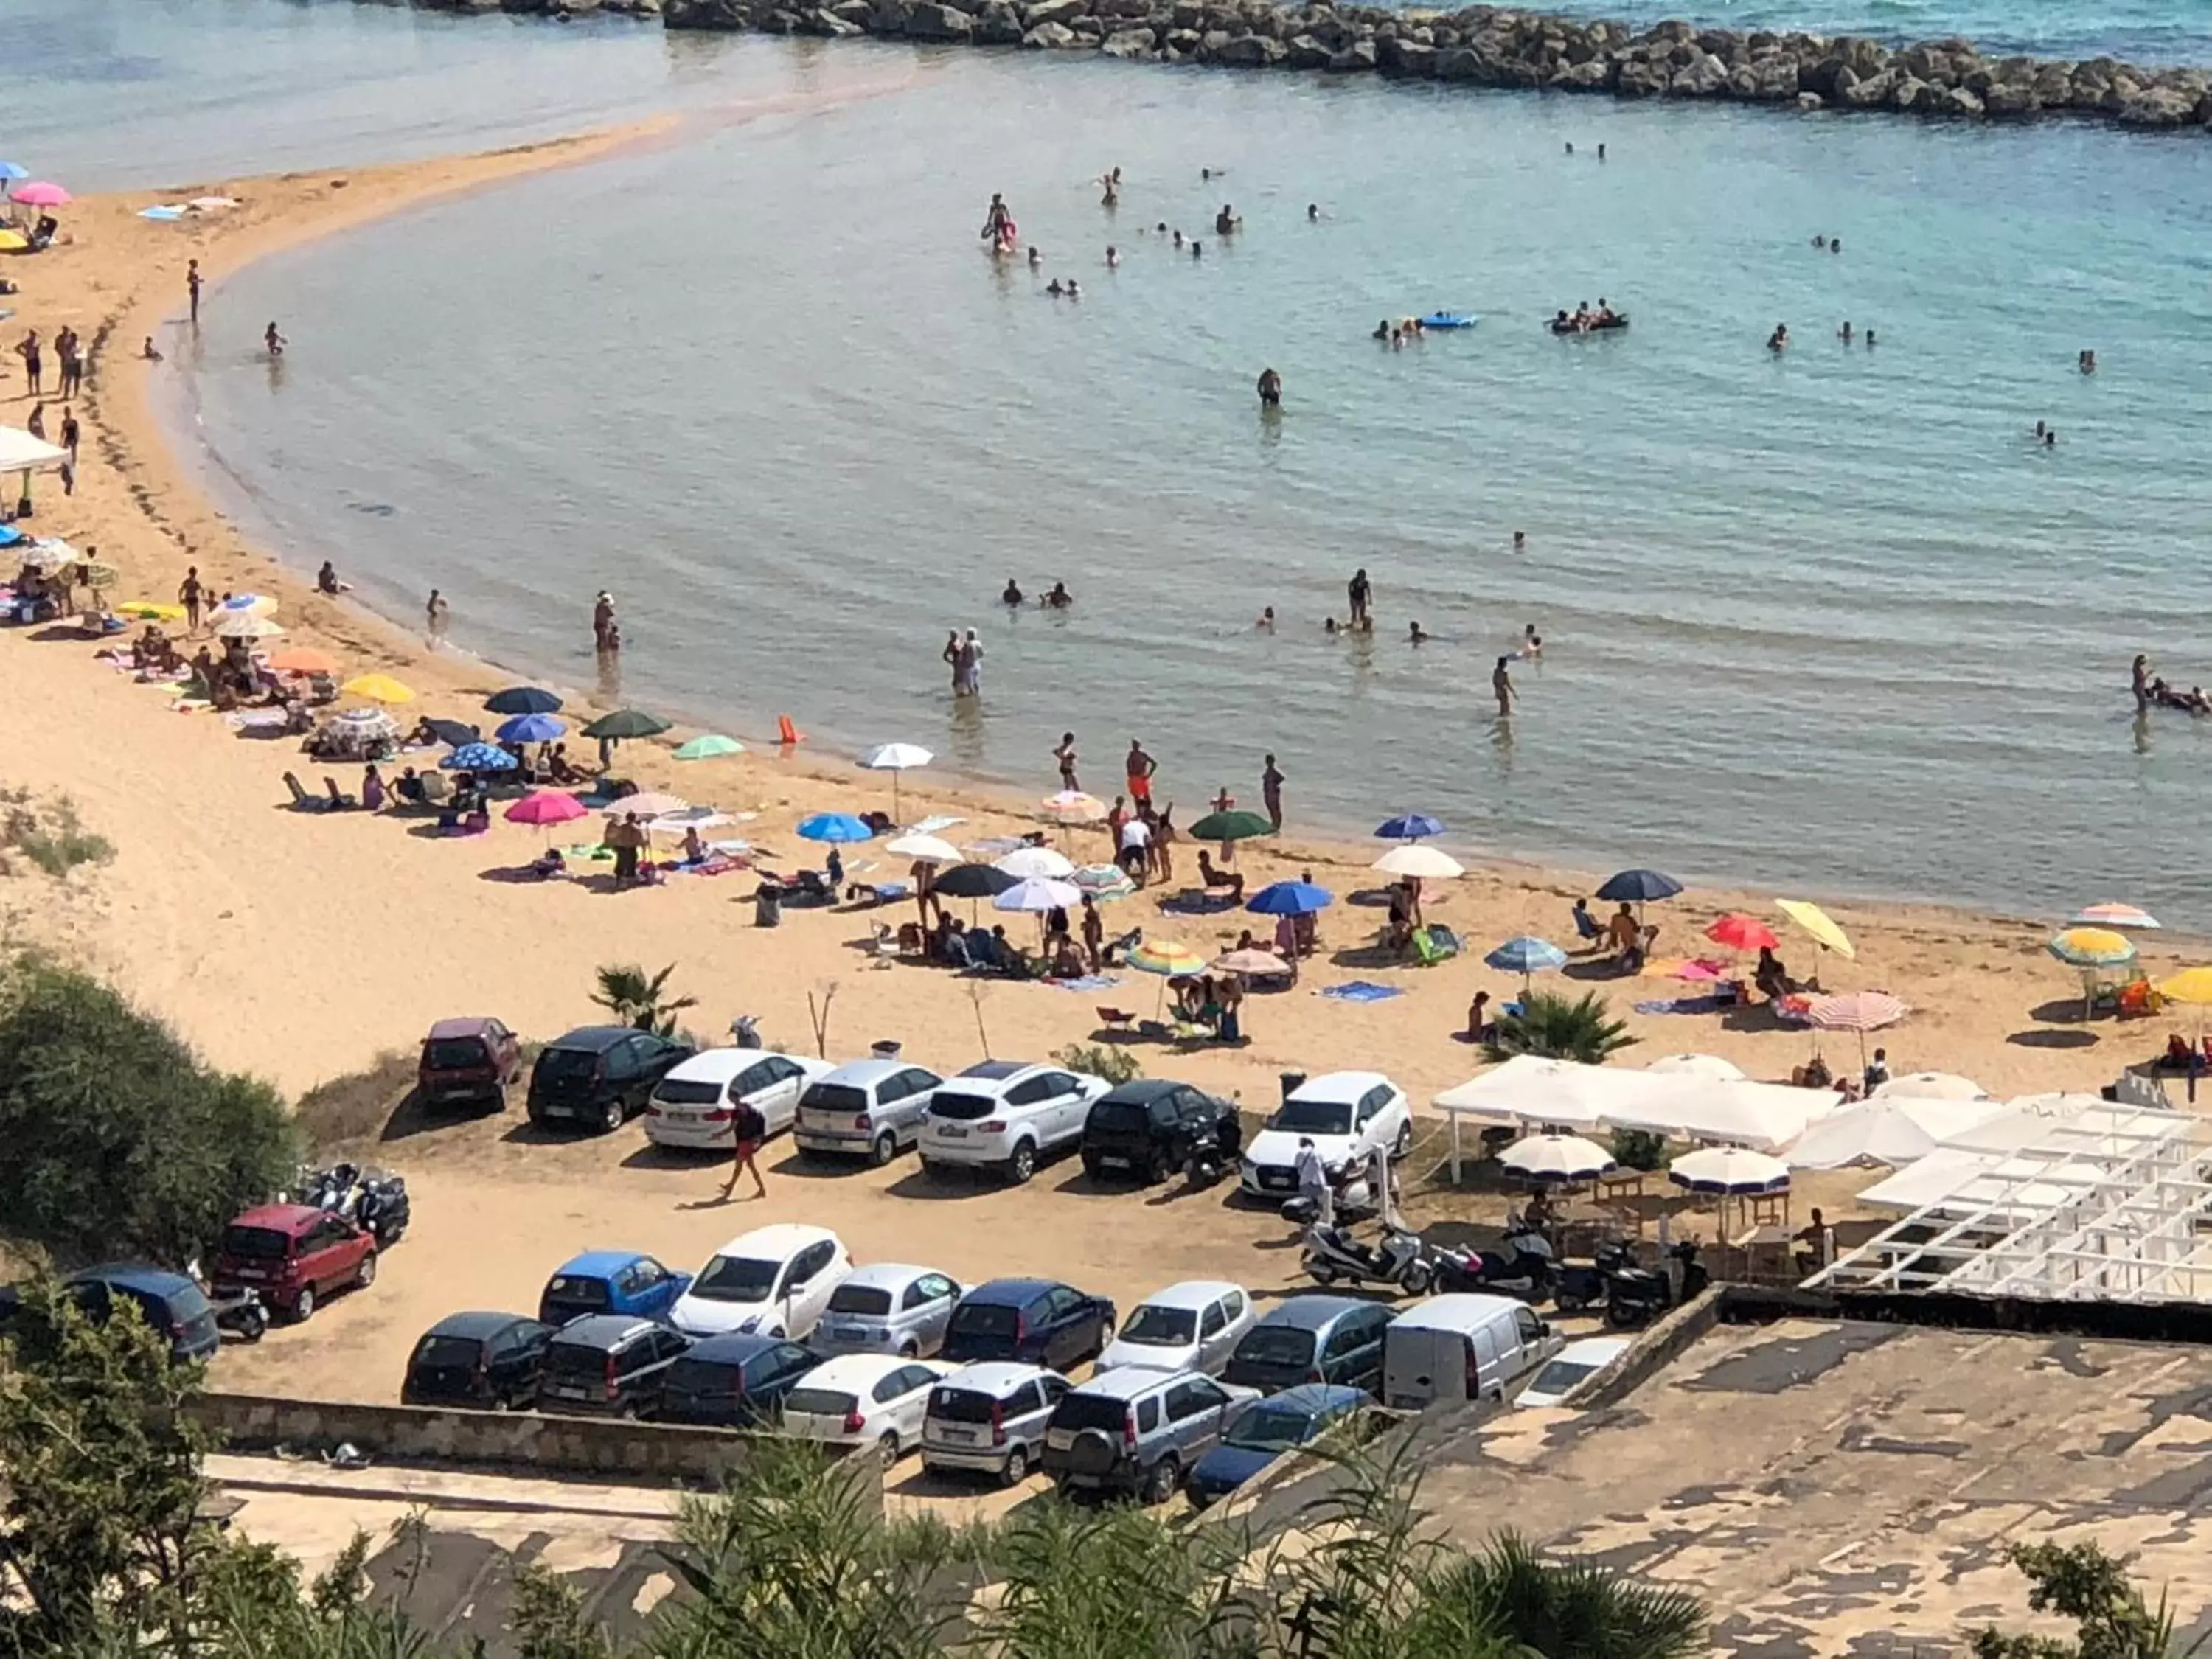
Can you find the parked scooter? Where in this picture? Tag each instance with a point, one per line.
(1580, 1284)
(1402, 1259)
(1523, 1268)
(1638, 1295)
(241, 1310)
(374, 1201)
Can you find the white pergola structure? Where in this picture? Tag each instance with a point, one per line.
(2112, 1202)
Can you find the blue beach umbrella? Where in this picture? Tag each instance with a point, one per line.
(479, 758)
(1289, 898)
(1410, 826)
(532, 728)
(1526, 957)
(834, 826)
(523, 699)
(10, 172)
(1634, 886)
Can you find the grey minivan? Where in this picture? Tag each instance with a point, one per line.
(1136, 1430)
(1314, 1338)
(872, 1109)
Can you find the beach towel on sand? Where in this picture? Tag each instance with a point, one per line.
(1088, 982)
(1362, 990)
(1685, 1006)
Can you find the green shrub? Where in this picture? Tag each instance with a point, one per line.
(1116, 1065)
(1638, 1149)
(1556, 1028)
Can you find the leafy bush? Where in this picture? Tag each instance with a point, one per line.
(1103, 1059)
(1638, 1149)
(635, 998)
(1555, 1028)
(52, 837)
(119, 1141)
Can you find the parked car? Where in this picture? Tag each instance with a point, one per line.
(600, 1075)
(1038, 1319)
(1278, 1424)
(864, 1400)
(467, 1059)
(293, 1255)
(990, 1419)
(1192, 1326)
(694, 1105)
(871, 1108)
(1008, 1114)
(1462, 1347)
(1314, 1338)
(1347, 1116)
(172, 1305)
(491, 1359)
(776, 1280)
(734, 1381)
(610, 1282)
(888, 1307)
(609, 1365)
(1145, 1129)
(1136, 1430)
(1567, 1368)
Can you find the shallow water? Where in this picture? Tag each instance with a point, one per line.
(1824, 622)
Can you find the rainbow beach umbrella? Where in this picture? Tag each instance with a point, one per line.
(1166, 958)
(2091, 947)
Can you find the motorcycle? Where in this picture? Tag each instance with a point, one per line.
(1524, 1268)
(1578, 1285)
(1402, 1259)
(374, 1201)
(1351, 1200)
(1638, 1295)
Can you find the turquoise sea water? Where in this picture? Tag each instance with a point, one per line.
(1825, 622)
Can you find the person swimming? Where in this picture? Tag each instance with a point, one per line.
(2050, 438)
(1178, 239)
(1266, 619)
(1113, 257)
(1532, 642)
(1059, 599)
(1845, 332)
(2036, 436)
(1520, 541)
(1035, 258)
(1819, 240)
(1381, 330)
(1779, 340)
(2087, 362)
(1014, 593)
(1313, 213)
(1329, 626)
(1226, 223)
(1053, 287)
(1075, 288)
(1869, 339)
(1415, 636)
(1197, 248)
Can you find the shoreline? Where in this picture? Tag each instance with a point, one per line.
(200, 847)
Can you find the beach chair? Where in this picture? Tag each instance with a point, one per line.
(813, 886)
(2139, 998)
(1587, 929)
(339, 800)
(1113, 1019)
(302, 799)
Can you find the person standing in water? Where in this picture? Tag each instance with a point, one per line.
(603, 621)
(1066, 756)
(1361, 594)
(272, 341)
(1271, 790)
(950, 657)
(1502, 684)
(1138, 769)
(999, 227)
(434, 616)
(1271, 389)
(193, 288)
(967, 666)
(2143, 683)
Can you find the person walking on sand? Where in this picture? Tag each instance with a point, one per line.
(1271, 790)
(34, 361)
(190, 595)
(1094, 934)
(1502, 684)
(749, 1128)
(1361, 594)
(1066, 756)
(70, 433)
(1138, 769)
(193, 288)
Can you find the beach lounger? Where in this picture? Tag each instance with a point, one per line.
(1114, 1020)
(339, 800)
(1587, 929)
(302, 799)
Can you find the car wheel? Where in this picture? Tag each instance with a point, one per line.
(612, 1118)
(1022, 1164)
(887, 1448)
(885, 1150)
(1160, 1480)
(303, 1305)
(1018, 1467)
(1404, 1143)
(365, 1275)
(1153, 1170)
(1091, 1166)
(910, 1349)
(254, 1326)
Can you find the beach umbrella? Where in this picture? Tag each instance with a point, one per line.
(1818, 923)
(894, 759)
(972, 881)
(708, 746)
(1250, 963)
(1557, 1160)
(454, 732)
(1426, 863)
(39, 192)
(378, 688)
(479, 758)
(1880, 1129)
(1742, 932)
(98, 575)
(2109, 914)
(624, 723)
(1526, 957)
(532, 728)
(366, 725)
(1166, 958)
(245, 625)
(258, 605)
(1712, 1068)
(523, 699)
(1024, 863)
(1729, 1171)
(304, 659)
(650, 804)
(924, 849)
(1073, 806)
(2091, 947)
(1289, 898)
(2190, 985)
(1859, 1012)
(13, 241)
(1636, 886)
(1930, 1085)
(1037, 895)
(1410, 826)
(1103, 882)
(11, 171)
(1230, 826)
(547, 807)
(829, 826)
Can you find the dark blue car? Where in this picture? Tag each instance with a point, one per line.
(1036, 1321)
(1276, 1424)
(610, 1282)
(171, 1303)
(735, 1380)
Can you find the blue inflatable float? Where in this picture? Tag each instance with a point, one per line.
(1450, 320)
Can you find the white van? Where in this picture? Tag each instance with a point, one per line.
(1451, 1349)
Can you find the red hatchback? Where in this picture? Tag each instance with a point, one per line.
(293, 1256)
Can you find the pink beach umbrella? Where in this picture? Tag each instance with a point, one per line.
(39, 193)
(545, 808)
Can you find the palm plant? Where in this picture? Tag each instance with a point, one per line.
(1555, 1028)
(633, 998)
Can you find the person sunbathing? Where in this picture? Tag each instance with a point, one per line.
(548, 864)
(557, 767)
(1212, 877)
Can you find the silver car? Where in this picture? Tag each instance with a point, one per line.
(990, 1417)
(871, 1108)
(1136, 1430)
(888, 1308)
(1193, 1326)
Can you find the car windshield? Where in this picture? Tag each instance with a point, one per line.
(1270, 1428)
(446, 1352)
(566, 1066)
(736, 1279)
(1561, 1375)
(818, 1402)
(837, 1098)
(1312, 1117)
(577, 1291)
(977, 1318)
(859, 1299)
(688, 1092)
(964, 1108)
(1161, 1327)
(260, 1243)
(451, 1054)
(1089, 1411)
(1276, 1345)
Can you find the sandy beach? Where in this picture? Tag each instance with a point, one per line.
(300, 947)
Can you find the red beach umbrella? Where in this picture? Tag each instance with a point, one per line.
(1742, 932)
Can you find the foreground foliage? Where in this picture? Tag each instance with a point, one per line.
(2112, 1621)
(1555, 1027)
(636, 997)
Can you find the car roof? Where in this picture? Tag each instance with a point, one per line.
(890, 1275)
(1311, 1312)
(293, 1218)
(1197, 1294)
(468, 1026)
(778, 1242)
(478, 1322)
(597, 1264)
(998, 1068)
(595, 1039)
(602, 1330)
(735, 1347)
(1456, 1312)
(995, 1376)
(1318, 1397)
(720, 1065)
(135, 1276)
(1011, 1292)
(856, 1370)
(1333, 1087)
(1127, 1382)
(1594, 1350)
(866, 1074)
(1140, 1091)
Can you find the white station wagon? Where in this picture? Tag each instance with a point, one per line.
(1007, 1114)
(693, 1106)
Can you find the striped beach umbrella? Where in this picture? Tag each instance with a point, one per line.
(1732, 1171)
(1103, 882)
(2109, 914)
(1166, 958)
(1556, 1160)
(2091, 947)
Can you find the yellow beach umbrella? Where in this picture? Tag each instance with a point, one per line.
(1822, 926)
(378, 688)
(2191, 985)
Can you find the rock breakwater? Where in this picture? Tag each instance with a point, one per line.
(1483, 46)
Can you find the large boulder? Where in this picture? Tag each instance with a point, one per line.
(1810, 101)
(932, 19)
(1053, 11)
(999, 24)
(1701, 77)
(1641, 79)
(1872, 92)
(1307, 52)
(1594, 75)
(1910, 93)
(1776, 77)
(1408, 60)
(2011, 98)
(1051, 37)
(2159, 106)
(1960, 102)
(1130, 43)
(707, 14)
(1355, 58)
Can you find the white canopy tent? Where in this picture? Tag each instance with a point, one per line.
(1892, 1130)
(20, 452)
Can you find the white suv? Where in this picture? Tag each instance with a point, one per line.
(1007, 1114)
(773, 1280)
(694, 1105)
(1347, 1116)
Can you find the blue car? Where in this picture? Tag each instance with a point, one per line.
(174, 1305)
(1036, 1322)
(610, 1282)
(1276, 1424)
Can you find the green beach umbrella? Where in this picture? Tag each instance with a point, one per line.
(627, 723)
(1230, 826)
(708, 745)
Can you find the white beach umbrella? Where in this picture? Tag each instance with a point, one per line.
(1073, 806)
(1712, 1068)
(245, 625)
(1560, 1159)
(1038, 894)
(650, 804)
(925, 849)
(1026, 862)
(1894, 1131)
(1930, 1085)
(894, 759)
(1729, 1171)
(1415, 859)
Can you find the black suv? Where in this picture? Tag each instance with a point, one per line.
(1146, 1129)
(490, 1359)
(735, 1380)
(600, 1075)
(610, 1365)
